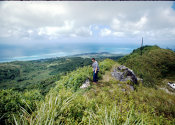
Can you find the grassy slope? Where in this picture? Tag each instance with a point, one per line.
(153, 65)
(101, 104)
(40, 74)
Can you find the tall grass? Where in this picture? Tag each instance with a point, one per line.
(153, 65)
(100, 105)
(104, 107)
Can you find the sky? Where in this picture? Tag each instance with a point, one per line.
(35, 29)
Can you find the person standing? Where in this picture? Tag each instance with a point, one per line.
(95, 70)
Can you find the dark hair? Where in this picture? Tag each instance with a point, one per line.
(93, 58)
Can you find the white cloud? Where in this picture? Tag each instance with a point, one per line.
(141, 23)
(116, 24)
(83, 31)
(119, 34)
(55, 20)
(105, 32)
(56, 31)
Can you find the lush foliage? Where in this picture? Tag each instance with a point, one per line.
(153, 65)
(105, 103)
(13, 103)
(41, 74)
(75, 79)
(8, 72)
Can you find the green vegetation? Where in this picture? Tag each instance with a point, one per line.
(9, 72)
(105, 103)
(153, 65)
(14, 103)
(41, 74)
(75, 79)
(101, 104)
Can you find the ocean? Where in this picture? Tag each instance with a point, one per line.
(21, 53)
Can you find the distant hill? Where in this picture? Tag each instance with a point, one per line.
(153, 65)
(42, 73)
(96, 55)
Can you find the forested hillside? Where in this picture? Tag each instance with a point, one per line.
(102, 103)
(152, 64)
(41, 74)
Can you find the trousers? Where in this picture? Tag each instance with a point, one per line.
(95, 76)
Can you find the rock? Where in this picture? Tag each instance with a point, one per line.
(172, 85)
(86, 84)
(131, 87)
(167, 91)
(139, 79)
(127, 85)
(122, 73)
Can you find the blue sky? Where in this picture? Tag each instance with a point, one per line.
(49, 29)
(173, 6)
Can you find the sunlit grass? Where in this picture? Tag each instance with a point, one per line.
(103, 104)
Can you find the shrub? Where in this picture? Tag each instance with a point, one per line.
(11, 103)
(99, 105)
(77, 77)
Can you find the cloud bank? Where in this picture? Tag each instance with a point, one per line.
(49, 23)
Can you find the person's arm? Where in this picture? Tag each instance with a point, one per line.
(96, 69)
(96, 65)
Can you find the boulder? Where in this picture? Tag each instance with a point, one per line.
(123, 73)
(172, 85)
(86, 84)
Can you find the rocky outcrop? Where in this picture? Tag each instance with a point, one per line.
(86, 84)
(123, 73)
(172, 85)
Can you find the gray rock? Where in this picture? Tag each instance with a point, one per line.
(86, 84)
(139, 79)
(128, 86)
(123, 73)
(131, 87)
(172, 85)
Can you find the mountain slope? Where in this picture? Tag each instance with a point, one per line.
(105, 103)
(153, 65)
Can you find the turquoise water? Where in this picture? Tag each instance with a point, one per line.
(19, 53)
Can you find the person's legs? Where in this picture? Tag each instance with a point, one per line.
(95, 77)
